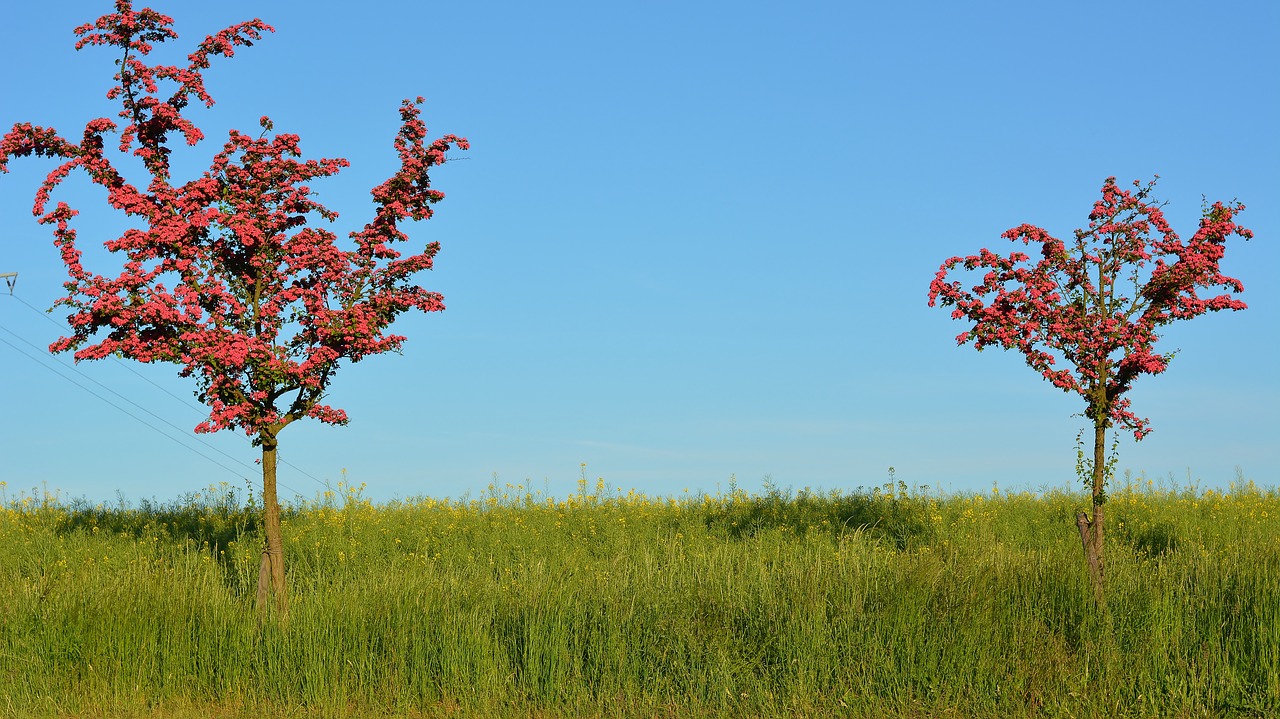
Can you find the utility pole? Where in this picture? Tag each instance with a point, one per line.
(9, 279)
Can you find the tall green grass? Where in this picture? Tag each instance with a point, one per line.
(882, 603)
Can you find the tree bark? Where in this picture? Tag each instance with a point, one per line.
(1091, 529)
(271, 570)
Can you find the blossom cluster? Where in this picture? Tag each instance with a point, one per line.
(225, 276)
(1098, 303)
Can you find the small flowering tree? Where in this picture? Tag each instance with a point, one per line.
(226, 276)
(1096, 305)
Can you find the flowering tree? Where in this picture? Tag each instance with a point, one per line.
(1096, 305)
(226, 278)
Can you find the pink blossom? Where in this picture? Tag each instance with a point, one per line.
(225, 279)
(1070, 304)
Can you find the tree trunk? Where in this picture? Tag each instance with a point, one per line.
(271, 570)
(1091, 529)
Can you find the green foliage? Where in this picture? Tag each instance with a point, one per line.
(883, 603)
(892, 513)
(1084, 467)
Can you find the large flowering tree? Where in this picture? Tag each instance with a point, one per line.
(1086, 315)
(226, 276)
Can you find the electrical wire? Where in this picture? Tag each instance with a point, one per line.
(186, 402)
(44, 355)
(228, 455)
(52, 368)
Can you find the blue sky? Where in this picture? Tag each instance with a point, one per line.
(692, 241)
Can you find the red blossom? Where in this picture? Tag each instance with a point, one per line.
(1070, 304)
(227, 278)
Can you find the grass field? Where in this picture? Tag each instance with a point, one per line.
(889, 602)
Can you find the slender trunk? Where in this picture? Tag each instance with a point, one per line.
(271, 570)
(1099, 478)
(1091, 530)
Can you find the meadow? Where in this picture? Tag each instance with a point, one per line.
(882, 602)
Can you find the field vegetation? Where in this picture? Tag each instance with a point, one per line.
(887, 602)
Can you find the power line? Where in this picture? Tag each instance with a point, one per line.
(126, 399)
(44, 356)
(45, 316)
(186, 402)
(52, 369)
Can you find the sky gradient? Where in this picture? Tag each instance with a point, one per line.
(691, 241)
